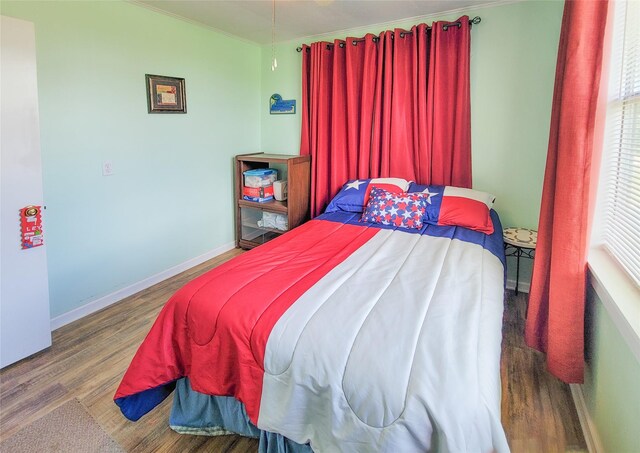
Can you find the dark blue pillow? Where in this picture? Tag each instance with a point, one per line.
(354, 194)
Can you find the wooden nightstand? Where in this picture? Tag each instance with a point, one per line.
(249, 214)
(519, 242)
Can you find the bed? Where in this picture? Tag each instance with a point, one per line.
(340, 335)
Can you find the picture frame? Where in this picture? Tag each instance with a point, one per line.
(165, 94)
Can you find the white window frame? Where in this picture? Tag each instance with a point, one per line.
(616, 288)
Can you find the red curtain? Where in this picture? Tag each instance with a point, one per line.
(393, 105)
(555, 318)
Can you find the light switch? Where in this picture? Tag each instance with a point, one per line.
(107, 168)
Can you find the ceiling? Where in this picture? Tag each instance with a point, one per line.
(295, 19)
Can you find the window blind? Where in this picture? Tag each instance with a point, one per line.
(621, 234)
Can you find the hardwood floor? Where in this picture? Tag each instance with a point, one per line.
(538, 413)
(89, 357)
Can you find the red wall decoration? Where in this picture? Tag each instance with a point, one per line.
(31, 226)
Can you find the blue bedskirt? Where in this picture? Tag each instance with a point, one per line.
(200, 414)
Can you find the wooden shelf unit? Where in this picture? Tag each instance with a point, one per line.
(295, 207)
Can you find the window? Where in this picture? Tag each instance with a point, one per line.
(620, 233)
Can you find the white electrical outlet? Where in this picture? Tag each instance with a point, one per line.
(107, 168)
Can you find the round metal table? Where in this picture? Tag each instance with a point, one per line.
(521, 243)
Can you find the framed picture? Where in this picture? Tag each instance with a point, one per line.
(165, 94)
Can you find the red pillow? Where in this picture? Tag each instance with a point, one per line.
(466, 208)
(455, 206)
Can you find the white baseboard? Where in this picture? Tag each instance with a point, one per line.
(589, 430)
(101, 302)
(523, 287)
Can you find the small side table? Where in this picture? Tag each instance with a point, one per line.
(519, 242)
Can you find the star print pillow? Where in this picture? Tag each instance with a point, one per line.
(354, 195)
(455, 206)
(404, 210)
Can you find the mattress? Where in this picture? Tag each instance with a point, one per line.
(344, 336)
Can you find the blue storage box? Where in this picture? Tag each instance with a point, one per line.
(260, 177)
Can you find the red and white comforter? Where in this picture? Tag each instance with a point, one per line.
(352, 338)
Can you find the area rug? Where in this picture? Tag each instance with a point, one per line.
(69, 428)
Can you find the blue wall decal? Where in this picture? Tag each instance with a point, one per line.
(278, 106)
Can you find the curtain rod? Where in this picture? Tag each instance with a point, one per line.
(445, 27)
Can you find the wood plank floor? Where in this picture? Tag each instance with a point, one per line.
(89, 357)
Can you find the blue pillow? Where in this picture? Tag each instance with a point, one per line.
(354, 195)
(432, 202)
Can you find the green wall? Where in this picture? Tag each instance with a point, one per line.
(513, 59)
(612, 381)
(158, 209)
(170, 198)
